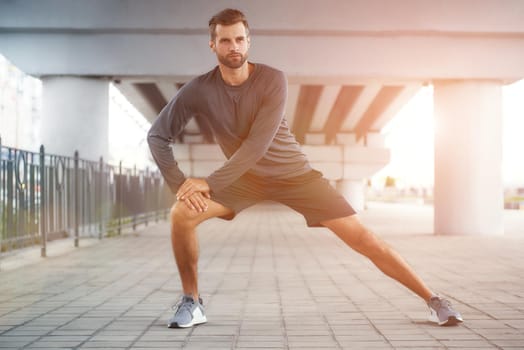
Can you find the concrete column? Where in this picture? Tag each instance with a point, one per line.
(353, 191)
(468, 158)
(75, 114)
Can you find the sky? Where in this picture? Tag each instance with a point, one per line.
(129, 147)
(513, 160)
(410, 136)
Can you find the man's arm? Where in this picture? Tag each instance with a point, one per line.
(163, 156)
(168, 125)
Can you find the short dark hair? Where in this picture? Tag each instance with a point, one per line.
(226, 17)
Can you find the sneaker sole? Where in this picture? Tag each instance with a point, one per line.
(451, 321)
(193, 323)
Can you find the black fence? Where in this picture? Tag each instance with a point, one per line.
(45, 197)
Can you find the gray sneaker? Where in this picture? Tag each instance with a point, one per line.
(188, 313)
(441, 312)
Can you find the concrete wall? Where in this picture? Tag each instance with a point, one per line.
(335, 162)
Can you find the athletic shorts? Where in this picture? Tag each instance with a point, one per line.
(309, 194)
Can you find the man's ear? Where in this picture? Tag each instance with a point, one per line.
(212, 45)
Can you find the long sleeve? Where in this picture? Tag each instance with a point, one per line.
(262, 132)
(168, 125)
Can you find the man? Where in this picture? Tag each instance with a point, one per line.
(243, 103)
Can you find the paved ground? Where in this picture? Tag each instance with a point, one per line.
(270, 283)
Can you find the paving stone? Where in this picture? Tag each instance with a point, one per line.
(367, 337)
(56, 344)
(174, 346)
(159, 344)
(255, 346)
(509, 343)
(469, 344)
(106, 344)
(414, 344)
(365, 345)
(15, 341)
(69, 332)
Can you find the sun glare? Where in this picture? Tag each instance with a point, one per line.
(410, 136)
(127, 132)
(513, 138)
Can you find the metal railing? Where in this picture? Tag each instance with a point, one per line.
(45, 196)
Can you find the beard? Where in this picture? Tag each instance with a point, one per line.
(233, 61)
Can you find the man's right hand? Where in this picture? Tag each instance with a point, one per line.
(192, 185)
(196, 201)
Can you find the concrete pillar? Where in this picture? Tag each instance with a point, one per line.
(354, 192)
(75, 114)
(468, 158)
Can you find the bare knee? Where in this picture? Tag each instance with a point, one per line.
(182, 218)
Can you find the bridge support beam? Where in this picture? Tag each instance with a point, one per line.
(75, 112)
(468, 158)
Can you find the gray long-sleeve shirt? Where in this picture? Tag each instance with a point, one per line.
(247, 122)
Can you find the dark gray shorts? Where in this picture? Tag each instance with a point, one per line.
(310, 194)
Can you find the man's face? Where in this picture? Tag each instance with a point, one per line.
(231, 45)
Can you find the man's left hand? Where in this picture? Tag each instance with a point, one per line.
(191, 186)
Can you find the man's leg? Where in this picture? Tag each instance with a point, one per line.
(312, 196)
(355, 235)
(185, 243)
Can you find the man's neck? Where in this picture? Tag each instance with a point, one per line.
(236, 76)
